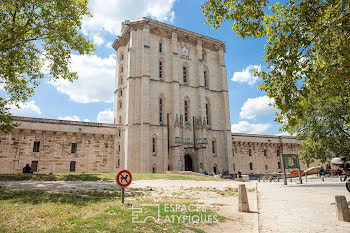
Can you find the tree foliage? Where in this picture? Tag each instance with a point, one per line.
(35, 33)
(307, 52)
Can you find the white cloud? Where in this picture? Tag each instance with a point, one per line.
(95, 82)
(256, 106)
(25, 109)
(105, 116)
(246, 127)
(109, 44)
(70, 118)
(286, 134)
(97, 40)
(86, 120)
(109, 14)
(246, 75)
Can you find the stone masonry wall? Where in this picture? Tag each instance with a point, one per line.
(95, 146)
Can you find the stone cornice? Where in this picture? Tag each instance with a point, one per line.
(153, 23)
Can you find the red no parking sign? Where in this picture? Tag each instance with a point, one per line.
(124, 178)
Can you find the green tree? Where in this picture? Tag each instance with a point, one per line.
(35, 33)
(307, 53)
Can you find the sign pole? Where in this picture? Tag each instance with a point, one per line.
(123, 195)
(284, 171)
(299, 172)
(123, 179)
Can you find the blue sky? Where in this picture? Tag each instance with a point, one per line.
(91, 97)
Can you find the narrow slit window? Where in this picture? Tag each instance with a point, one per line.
(186, 110)
(36, 146)
(73, 148)
(184, 74)
(160, 69)
(161, 110)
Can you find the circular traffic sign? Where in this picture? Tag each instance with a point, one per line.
(124, 178)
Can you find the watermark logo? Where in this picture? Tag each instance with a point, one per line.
(173, 213)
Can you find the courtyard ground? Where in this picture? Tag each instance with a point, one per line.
(95, 205)
(309, 207)
(55, 206)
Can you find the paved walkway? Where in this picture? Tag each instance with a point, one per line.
(309, 207)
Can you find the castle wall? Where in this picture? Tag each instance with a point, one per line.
(265, 153)
(95, 146)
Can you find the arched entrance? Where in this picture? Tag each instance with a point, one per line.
(188, 163)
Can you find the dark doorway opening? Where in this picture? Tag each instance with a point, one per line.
(72, 166)
(34, 166)
(214, 168)
(188, 163)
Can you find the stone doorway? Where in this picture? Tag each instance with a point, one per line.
(188, 163)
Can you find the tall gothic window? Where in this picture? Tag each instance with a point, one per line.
(160, 69)
(160, 47)
(205, 79)
(184, 74)
(154, 144)
(207, 112)
(213, 146)
(160, 110)
(186, 110)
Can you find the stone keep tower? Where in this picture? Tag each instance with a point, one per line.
(171, 100)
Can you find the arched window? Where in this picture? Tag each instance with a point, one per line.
(213, 146)
(121, 69)
(120, 119)
(121, 56)
(154, 144)
(120, 104)
(207, 112)
(161, 109)
(118, 148)
(205, 76)
(121, 79)
(160, 47)
(160, 69)
(121, 92)
(186, 109)
(119, 132)
(185, 73)
(251, 166)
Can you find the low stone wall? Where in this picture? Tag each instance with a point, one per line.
(94, 143)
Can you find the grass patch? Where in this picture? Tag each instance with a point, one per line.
(102, 177)
(37, 211)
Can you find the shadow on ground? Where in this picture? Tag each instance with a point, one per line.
(318, 185)
(38, 197)
(50, 177)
